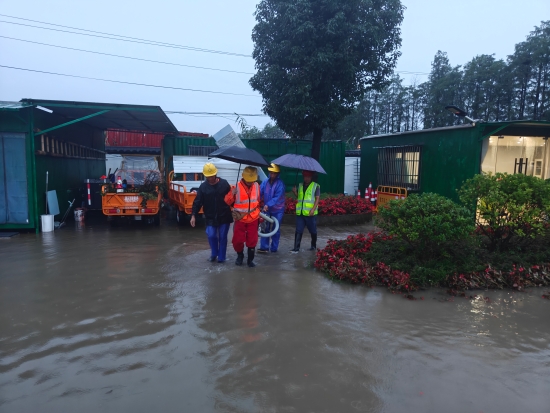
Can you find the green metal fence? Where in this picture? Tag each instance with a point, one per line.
(332, 157)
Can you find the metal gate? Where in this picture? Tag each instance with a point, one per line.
(14, 202)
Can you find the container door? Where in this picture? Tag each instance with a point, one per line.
(14, 202)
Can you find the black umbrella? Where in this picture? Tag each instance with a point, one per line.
(302, 162)
(239, 155)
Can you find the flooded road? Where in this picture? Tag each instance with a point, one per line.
(134, 319)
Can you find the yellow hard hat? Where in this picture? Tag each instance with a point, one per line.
(250, 174)
(274, 168)
(209, 169)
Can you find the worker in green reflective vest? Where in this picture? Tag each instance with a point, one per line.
(306, 210)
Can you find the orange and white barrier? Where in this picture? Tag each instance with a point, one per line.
(385, 194)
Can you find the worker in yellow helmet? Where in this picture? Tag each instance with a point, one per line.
(245, 199)
(210, 197)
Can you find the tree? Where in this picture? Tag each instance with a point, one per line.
(316, 59)
(443, 88)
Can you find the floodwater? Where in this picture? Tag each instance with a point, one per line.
(134, 319)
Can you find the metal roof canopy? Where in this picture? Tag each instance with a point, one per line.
(513, 127)
(109, 115)
(12, 105)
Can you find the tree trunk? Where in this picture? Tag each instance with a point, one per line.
(316, 143)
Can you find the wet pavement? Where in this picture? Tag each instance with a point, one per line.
(134, 319)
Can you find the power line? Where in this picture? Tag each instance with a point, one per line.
(125, 57)
(127, 83)
(129, 39)
(136, 40)
(175, 112)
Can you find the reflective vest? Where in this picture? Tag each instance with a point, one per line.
(306, 202)
(248, 205)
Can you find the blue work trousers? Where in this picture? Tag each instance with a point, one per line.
(306, 221)
(217, 238)
(264, 243)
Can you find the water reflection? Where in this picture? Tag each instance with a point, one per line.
(74, 308)
(101, 319)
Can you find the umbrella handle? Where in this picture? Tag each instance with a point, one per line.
(238, 174)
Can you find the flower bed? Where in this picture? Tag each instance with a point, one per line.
(334, 210)
(335, 205)
(344, 260)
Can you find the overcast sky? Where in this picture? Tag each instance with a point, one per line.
(463, 29)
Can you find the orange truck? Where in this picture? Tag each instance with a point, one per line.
(127, 205)
(181, 194)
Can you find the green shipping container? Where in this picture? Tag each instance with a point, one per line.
(439, 160)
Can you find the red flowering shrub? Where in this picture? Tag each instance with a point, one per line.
(345, 260)
(290, 205)
(519, 278)
(342, 260)
(335, 205)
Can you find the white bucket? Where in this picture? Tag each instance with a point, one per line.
(79, 214)
(47, 223)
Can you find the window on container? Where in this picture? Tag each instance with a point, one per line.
(201, 150)
(528, 155)
(399, 166)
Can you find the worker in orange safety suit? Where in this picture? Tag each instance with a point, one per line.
(245, 199)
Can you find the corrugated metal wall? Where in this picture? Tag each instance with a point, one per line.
(136, 139)
(133, 139)
(179, 145)
(65, 174)
(21, 122)
(448, 158)
(332, 159)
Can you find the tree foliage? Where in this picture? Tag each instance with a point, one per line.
(488, 89)
(316, 59)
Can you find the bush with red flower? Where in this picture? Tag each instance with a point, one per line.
(344, 260)
(334, 205)
(349, 260)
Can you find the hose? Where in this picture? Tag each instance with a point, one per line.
(271, 221)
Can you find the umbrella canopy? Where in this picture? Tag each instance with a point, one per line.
(305, 163)
(239, 155)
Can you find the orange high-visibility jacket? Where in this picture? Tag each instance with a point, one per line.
(247, 200)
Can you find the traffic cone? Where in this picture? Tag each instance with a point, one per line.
(358, 193)
(368, 191)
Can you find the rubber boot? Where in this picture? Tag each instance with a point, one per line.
(240, 258)
(313, 242)
(250, 259)
(297, 241)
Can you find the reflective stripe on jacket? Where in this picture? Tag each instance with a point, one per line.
(306, 202)
(248, 204)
